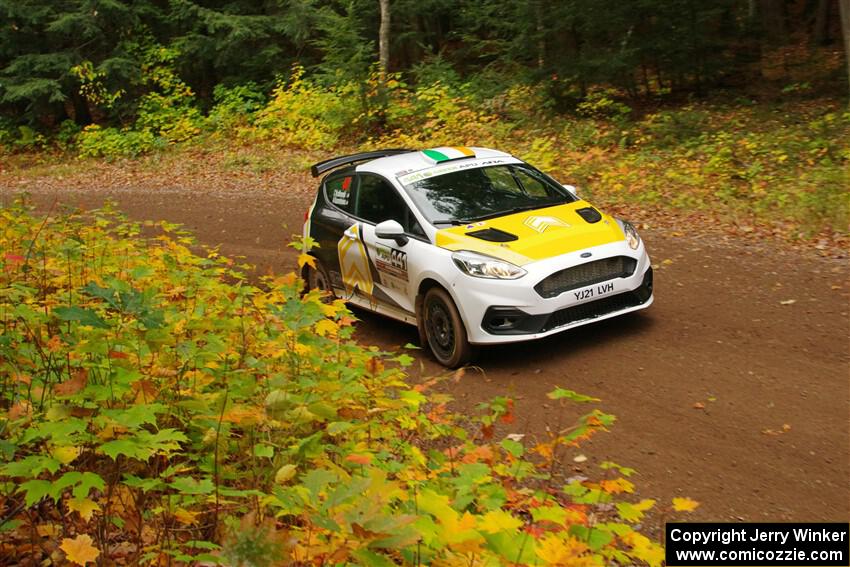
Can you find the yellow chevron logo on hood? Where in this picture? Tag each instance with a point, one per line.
(541, 233)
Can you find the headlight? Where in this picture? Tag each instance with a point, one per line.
(632, 237)
(481, 266)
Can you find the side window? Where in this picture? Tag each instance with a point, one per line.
(378, 201)
(341, 192)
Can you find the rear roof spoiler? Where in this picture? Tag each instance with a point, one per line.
(329, 164)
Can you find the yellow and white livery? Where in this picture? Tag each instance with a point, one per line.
(472, 245)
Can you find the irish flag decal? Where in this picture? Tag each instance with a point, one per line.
(447, 153)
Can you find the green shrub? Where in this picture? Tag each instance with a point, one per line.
(66, 135)
(234, 107)
(302, 114)
(95, 141)
(603, 103)
(152, 395)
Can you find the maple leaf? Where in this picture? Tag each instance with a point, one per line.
(554, 550)
(644, 549)
(634, 512)
(73, 385)
(684, 504)
(326, 327)
(80, 549)
(186, 517)
(497, 521)
(66, 454)
(85, 507)
(617, 486)
(306, 260)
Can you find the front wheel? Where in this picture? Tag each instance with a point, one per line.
(444, 329)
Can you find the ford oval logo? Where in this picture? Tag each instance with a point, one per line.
(586, 254)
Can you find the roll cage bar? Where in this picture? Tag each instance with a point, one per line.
(333, 163)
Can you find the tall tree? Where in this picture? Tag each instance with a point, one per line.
(384, 37)
(844, 6)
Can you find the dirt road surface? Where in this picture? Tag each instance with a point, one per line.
(725, 390)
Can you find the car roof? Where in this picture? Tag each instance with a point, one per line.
(401, 164)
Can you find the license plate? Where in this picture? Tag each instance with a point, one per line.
(597, 290)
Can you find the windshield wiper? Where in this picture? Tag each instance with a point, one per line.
(510, 211)
(453, 222)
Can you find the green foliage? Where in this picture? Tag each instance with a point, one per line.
(302, 114)
(754, 162)
(234, 107)
(166, 115)
(602, 103)
(154, 398)
(95, 141)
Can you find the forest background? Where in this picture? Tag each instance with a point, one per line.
(733, 107)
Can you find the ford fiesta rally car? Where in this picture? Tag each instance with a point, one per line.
(471, 245)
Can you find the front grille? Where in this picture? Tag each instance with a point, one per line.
(499, 320)
(586, 274)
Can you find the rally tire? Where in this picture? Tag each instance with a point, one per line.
(317, 278)
(444, 330)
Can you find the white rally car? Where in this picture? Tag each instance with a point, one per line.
(471, 245)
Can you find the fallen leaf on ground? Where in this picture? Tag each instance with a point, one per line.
(684, 504)
(80, 549)
(788, 302)
(699, 405)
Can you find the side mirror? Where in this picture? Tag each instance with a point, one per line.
(391, 230)
(572, 189)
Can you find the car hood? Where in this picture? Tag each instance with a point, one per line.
(539, 234)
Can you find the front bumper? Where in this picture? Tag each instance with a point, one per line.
(501, 311)
(513, 321)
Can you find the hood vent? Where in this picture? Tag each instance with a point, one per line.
(493, 235)
(590, 214)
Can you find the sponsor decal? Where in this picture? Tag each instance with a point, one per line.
(444, 169)
(541, 224)
(391, 262)
(341, 195)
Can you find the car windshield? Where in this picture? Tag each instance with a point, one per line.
(486, 192)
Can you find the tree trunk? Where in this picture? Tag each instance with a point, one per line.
(773, 20)
(384, 37)
(844, 8)
(540, 30)
(820, 33)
